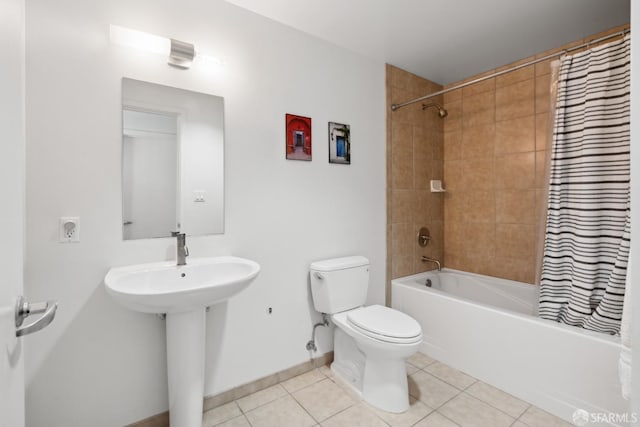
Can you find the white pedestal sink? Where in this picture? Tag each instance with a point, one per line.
(183, 293)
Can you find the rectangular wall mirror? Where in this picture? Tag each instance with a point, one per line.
(172, 161)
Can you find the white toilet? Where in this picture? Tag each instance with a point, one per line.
(371, 343)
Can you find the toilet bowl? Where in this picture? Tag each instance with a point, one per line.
(371, 343)
(381, 379)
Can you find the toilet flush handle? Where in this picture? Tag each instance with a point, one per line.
(319, 276)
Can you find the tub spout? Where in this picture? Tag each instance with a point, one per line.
(435, 261)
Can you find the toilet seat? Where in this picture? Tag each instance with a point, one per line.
(385, 324)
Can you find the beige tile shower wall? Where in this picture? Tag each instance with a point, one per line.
(495, 142)
(414, 157)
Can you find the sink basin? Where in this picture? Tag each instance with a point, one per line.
(165, 287)
(182, 292)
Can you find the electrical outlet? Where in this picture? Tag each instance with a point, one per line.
(69, 229)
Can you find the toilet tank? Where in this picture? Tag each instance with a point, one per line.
(339, 284)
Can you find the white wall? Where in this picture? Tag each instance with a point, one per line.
(101, 365)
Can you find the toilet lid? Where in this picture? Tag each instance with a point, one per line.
(385, 322)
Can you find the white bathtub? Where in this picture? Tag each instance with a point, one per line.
(487, 327)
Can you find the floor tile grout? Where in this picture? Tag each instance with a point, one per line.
(515, 419)
(309, 385)
(466, 388)
(524, 412)
(429, 413)
(259, 406)
(449, 419)
(359, 401)
(496, 408)
(302, 406)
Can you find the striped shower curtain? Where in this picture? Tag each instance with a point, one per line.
(587, 235)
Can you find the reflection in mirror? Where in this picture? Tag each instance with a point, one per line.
(149, 173)
(172, 161)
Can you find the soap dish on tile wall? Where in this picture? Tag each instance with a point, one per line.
(436, 186)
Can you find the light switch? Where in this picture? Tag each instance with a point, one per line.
(198, 196)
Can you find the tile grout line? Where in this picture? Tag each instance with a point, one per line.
(480, 400)
(302, 388)
(529, 405)
(232, 418)
(476, 380)
(430, 412)
(348, 392)
(497, 409)
(448, 400)
(283, 396)
(522, 422)
(305, 409)
(360, 401)
(248, 420)
(242, 414)
(302, 406)
(447, 418)
(225, 419)
(260, 406)
(525, 411)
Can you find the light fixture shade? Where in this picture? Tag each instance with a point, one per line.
(139, 40)
(181, 54)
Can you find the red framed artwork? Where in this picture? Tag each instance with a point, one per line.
(298, 141)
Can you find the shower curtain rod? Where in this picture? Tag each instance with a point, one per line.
(395, 107)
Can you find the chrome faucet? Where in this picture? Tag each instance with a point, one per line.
(435, 261)
(181, 246)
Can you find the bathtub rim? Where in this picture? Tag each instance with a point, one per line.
(404, 281)
(483, 279)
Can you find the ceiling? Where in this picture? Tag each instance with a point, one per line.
(445, 40)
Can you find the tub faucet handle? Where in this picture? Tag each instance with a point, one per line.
(424, 237)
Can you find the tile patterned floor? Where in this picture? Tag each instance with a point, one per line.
(440, 397)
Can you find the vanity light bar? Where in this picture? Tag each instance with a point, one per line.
(181, 54)
(139, 40)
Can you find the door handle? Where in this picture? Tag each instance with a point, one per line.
(25, 309)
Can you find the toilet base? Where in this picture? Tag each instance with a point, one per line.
(379, 380)
(385, 384)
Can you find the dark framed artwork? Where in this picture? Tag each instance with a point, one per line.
(298, 141)
(339, 143)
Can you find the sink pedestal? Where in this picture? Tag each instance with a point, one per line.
(182, 292)
(185, 366)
